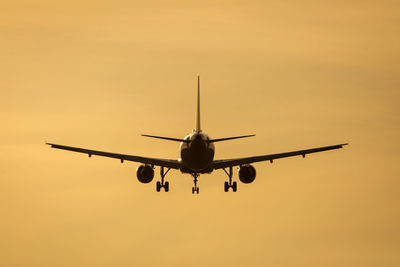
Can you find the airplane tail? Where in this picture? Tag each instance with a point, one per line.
(198, 128)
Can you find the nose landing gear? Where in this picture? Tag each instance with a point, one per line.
(230, 184)
(195, 188)
(162, 184)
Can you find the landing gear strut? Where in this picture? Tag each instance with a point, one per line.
(195, 188)
(230, 184)
(161, 184)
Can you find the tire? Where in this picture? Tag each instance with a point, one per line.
(166, 186)
(226, 187)
(197, 190)
(158, 186)
(192, 190)
(234, 186)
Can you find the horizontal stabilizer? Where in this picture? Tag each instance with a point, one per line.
(166, 138)
(229, 138)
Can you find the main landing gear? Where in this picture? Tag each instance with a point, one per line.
(195, 188)
(161, 184)
(230, 184)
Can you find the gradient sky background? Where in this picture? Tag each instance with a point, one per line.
(298, 74)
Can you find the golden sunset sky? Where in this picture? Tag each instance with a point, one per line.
(298, 74)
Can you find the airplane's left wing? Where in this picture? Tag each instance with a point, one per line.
(169, 163)
(224, 163)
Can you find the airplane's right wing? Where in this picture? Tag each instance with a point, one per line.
(224, 163)
(169, 163)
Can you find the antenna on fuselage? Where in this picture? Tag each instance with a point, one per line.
(198, 129)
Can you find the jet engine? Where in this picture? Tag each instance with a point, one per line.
(145, 173)
(247, 173)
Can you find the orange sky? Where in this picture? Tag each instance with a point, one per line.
(298, 74)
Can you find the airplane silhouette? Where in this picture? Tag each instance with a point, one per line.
(197, 157)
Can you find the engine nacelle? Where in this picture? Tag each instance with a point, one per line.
(247, 173)
(145, 173)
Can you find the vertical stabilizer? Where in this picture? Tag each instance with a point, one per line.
(198, 129)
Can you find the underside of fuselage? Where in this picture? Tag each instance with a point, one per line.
(197, 154)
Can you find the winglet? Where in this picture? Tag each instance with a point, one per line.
(198, 128)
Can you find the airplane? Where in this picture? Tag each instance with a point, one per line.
(197, 157)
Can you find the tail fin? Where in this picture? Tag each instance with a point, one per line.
(198, 128)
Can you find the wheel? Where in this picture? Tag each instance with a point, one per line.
(226, 186)
(158, 186)
(192, 190)
(197, 190)
(166, 186)
(234, 186)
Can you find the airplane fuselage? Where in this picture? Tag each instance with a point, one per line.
(197, 154)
